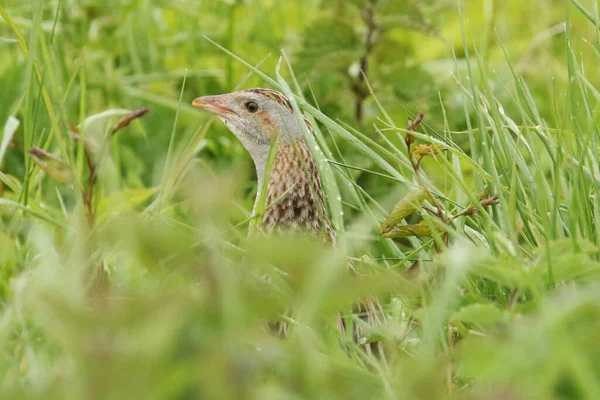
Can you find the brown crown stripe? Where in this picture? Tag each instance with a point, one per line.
(281, 99)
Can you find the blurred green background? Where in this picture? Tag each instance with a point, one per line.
(164, 296)
(137, 53)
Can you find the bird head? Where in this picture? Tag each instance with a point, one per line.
(256, 117)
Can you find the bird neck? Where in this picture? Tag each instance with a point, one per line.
(294, 193)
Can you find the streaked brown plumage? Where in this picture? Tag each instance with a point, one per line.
(294, 193)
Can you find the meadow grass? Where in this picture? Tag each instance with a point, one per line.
(126, 269)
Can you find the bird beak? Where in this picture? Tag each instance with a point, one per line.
(214, 104)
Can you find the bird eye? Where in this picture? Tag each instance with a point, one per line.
(252, 106)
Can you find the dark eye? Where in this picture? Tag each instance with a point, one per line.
(252, 106)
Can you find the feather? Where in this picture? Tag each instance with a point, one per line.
(295, 201)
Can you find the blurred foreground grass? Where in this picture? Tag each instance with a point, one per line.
(144, 284)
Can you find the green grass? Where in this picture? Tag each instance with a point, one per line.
(145, 284)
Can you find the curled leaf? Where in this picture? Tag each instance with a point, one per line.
(409, 204)
(483, 194)
(90, 144)
(97, 126)
(419, 229)
(54, 166)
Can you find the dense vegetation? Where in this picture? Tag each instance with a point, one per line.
(126, 270)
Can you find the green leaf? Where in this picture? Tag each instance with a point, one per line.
(420, 229)
(29, 210)
(566, 262)
(330, 44)
(407, 14)
(125, 200)
(97, 126)
(504, 269)
(481, 314)
(11, 181)
(54, 166)
(409, 204)
(587, 13)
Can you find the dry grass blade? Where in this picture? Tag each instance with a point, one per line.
(126, 120)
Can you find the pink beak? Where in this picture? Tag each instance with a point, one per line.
(214, 104)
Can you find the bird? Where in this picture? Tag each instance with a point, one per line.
(294, 193)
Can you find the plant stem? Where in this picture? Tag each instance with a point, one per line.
(359, 88)
(88, 194)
